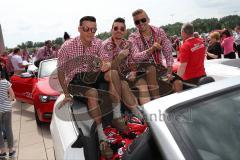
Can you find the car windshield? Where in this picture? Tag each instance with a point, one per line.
(212, 129)
(48, 68)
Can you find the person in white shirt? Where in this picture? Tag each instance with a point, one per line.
(17, 62)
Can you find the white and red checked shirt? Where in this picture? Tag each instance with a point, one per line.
(44, 53)
(140, 54)
(109, 51)
(75, 58)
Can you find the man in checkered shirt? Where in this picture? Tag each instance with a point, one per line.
(117, 52)
(44, 53)
(148, 43)
(79, 66)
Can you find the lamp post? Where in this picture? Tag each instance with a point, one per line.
(172, 17)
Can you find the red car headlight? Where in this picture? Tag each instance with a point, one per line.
(45, 98)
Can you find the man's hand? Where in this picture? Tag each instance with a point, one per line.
(169, 76)
(106, 67)
(67, 99)
(131, 76)
(157, 46)
(123, 54)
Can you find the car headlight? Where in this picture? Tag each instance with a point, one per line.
(45, 98)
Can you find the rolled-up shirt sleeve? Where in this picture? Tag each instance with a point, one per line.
(166, 48)
(105, 56)
(40, 54)
(137, 55)
(61, 58)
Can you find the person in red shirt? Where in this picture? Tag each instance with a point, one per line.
(192, 55)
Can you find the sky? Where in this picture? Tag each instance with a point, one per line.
(40, 20)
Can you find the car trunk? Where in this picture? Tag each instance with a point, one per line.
(138, 149)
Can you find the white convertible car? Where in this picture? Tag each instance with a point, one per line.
(201, 123)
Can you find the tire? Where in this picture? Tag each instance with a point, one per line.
(39, 123)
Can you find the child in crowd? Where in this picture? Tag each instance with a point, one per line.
(6, 95)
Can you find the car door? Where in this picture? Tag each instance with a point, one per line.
(22, 86)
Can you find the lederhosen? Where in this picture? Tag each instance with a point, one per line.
(83, 81)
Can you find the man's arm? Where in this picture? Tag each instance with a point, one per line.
(212, 55)
(62, 81)
(137, 55)
(182, 69)
(11, 93)
(167, 50)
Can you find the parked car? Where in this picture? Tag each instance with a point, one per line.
(199, 123)
(37, 88)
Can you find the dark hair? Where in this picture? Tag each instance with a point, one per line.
(87, 18)
(47, 42)
(226, 32)
(66, 36)
(188, 28)
(15, 50)
(119, 20)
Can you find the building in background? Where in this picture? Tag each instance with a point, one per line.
(2, 46)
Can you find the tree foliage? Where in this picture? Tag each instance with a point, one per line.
(200, 25)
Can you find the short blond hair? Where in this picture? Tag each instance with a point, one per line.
(138, 11)
(215, 35)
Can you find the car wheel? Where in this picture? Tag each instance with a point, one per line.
(39, 123)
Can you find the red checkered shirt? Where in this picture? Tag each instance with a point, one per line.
(110, 50)
(140, 55)
(44, 53)
(75, 58)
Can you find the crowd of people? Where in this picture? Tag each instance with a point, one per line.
(84, 62)
(219, 43)
(15, 62)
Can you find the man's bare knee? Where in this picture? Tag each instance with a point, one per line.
(92, 93)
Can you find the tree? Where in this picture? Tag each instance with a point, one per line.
(230, 21)
(200, 25)
(58, 41)
(29, 44)
(173, 29)
(104, 35)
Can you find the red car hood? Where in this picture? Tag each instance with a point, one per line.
(48, 86)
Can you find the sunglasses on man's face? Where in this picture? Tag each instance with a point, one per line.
(119, 29)
(87, 29)
(143, 20)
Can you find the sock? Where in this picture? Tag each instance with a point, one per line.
(101, 134)
(116, 110)
(136, 112)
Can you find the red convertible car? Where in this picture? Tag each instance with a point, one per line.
(38, 88)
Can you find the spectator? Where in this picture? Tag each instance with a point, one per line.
(44, 53)
(196, 35)
(228, 44)
(25, 55)
(9, 65)
(55, 49)
(214, 50)
(17, 62)
(237, 39)
(175, 44)
(192, 55)
(6, 117)
(3, 63)
(66, 36)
